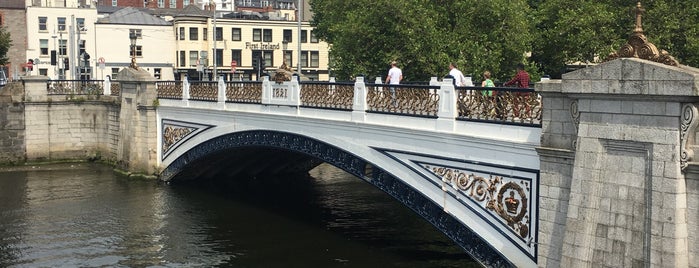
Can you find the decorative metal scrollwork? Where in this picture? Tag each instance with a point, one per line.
(499, 105)
(507, 198)
(324, 95)
(173, 134)
(244, 92)
(206, 91)
(687, 128)
(403, 99)
(169, 89)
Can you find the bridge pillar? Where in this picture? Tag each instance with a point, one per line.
(137, 143)
(359, 105)
(616, 148)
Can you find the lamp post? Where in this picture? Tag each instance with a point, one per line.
(133, 37)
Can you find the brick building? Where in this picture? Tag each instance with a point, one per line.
(13, 17)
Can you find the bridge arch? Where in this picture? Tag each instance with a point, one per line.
(309, 152)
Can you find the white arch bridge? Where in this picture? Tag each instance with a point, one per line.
(462, 158)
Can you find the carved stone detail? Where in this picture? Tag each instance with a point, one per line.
(687, 127)
(638, 46)
(172, 134)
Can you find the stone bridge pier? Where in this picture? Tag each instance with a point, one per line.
(619, 181)
(136, 149)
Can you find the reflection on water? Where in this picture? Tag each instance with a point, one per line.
(83, 215)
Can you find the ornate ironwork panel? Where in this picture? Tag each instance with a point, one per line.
(205, 91)
(403, 99)
(522, 106)
(115, 88)
(169, 89)
(244, 92)
(175, 133)
(76, 87)
(327, 95)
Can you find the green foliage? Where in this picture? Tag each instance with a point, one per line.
(424, 36)
(5, 43)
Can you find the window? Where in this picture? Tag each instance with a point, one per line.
(115, 3)
(235, 34)
(256, 35)
(42, 24)
(185, 3)
(156, 73)
(236, 56)
(268, 58)
(219, 34)
(314, 38)
(287, 58)
(81, 24)
(183, 58)
(304, 59)
(62, 47)
(287, 36)
(44, 47)
(205, 34)
(82, 46)
(44, 72)
(181, 33)
(267, 35)
(315, 59)
(193, 57)
(115, 73)
(137, 32)
(304, 38)
(219, 57)
(61, 23)
(161, 3)
(139, 51)
(173, 4)
(193, 33)
(204, 56)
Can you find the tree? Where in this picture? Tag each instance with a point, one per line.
(588, 30)
(423, 36)
(5, 43)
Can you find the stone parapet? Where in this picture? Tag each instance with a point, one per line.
(614, 144)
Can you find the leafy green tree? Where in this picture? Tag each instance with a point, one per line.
(5, 43)
(588, 30)
(423, 36)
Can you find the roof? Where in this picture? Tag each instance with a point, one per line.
(132, 16)
(13, 4)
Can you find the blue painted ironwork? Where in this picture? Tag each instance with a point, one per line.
(410, 197)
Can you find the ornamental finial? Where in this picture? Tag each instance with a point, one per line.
(638, 46)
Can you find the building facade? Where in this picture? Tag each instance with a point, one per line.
(246, 49)
(58, 39)
(155, 44)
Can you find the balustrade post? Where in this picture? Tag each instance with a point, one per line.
(107, 86)
(185, 89)
(266, 90)
(377, 81)
(221, 91)
(434, 81)
(294, 92)
(359, 104)
(447, 112)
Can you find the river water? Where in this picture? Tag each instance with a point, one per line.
(85, 215)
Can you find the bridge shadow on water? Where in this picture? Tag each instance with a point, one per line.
(368, 227)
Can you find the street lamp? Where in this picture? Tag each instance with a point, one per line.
(133, 37)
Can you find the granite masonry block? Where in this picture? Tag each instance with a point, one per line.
(605, 106)
(632, 70)
(648, 108)
(633, 87)
(672, 108)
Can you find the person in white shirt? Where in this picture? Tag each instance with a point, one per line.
(395, 75)
(459, 79)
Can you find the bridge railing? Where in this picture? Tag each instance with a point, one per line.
(440, 99)
(327, 95)
(75, 87)
(502, 104)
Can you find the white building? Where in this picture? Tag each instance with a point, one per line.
(66, 33)
(155, 45)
